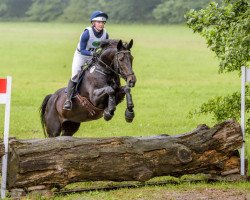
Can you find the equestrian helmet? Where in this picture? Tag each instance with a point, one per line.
(98, 16)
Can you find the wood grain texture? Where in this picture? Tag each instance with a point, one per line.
(56, 162)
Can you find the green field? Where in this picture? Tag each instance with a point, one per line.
(176, 73)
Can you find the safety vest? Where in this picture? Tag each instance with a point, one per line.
(94, 42)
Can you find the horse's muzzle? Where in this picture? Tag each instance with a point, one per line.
(131, 80)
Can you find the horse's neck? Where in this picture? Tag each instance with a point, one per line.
(104, 62)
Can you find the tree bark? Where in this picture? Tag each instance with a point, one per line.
(56, 162)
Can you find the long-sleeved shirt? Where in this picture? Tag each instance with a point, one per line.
(84, 40)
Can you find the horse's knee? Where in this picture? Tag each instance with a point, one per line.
(109, 90)
(127, 89)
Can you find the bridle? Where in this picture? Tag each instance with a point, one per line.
(117, 67)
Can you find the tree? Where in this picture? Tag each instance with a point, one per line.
(78, 10)
(226, 29)
(14, 8)
(172, 11)
(132, 11)
(46, 10)
(118, 10)
(3, 8)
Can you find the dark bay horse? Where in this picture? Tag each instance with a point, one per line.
(98, 92)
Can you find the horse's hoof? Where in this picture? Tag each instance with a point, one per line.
(107, 115)
(129, 116)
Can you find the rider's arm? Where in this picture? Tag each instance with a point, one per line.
(83, 43)
(107, 36)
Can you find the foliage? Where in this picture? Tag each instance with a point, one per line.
(226, 29)
(46, 10)
(172, 11)
(14, 8)
(225, 107)
(3, 7)
(133, 11)
(78, 10)
(120, 11)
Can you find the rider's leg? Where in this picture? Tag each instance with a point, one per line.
(70, 92)
(78, 62)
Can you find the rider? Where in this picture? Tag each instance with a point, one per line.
(89, 41)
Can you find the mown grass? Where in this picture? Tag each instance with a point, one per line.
(156, 192)
(176, 73)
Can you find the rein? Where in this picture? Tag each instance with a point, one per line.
(117, 67)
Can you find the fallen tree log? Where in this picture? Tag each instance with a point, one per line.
(56, 162)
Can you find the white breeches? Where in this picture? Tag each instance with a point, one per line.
(78, 61)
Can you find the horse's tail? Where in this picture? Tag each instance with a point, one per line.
(42, 113)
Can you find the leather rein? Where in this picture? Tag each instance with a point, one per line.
(116, 69)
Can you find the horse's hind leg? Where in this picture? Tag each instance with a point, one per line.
(69, 128)
(53, 126)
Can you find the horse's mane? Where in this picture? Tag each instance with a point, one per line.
(112, 43)
(109, 43)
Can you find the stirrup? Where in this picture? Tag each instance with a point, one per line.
(67, 105)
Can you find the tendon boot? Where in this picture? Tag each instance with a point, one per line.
(70, 92)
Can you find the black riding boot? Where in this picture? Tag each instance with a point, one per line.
(70, 90)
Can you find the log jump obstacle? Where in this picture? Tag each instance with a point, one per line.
(55, 162)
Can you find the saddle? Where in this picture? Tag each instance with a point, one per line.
(94, 112)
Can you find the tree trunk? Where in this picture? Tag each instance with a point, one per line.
(56, 162)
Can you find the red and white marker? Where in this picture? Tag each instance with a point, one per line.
(5, 95)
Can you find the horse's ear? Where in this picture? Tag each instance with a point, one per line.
(130, 44)
(119, 45)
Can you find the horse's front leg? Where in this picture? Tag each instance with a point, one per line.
(100, 94)
(129, 113)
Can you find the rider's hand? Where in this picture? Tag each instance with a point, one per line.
(98, 50)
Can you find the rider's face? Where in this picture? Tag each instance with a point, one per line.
(99, 25)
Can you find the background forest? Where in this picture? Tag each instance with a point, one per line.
(120, 11)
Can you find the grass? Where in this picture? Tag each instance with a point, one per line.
(159, 192)
(176, 73)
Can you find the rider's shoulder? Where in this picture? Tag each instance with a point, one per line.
(86, 31)
(89, 28)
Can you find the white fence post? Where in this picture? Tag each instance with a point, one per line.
(5, 99)
(245, 77)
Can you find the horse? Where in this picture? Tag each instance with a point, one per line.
(98, 92)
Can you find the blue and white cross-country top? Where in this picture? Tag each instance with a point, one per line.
(90, 40)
